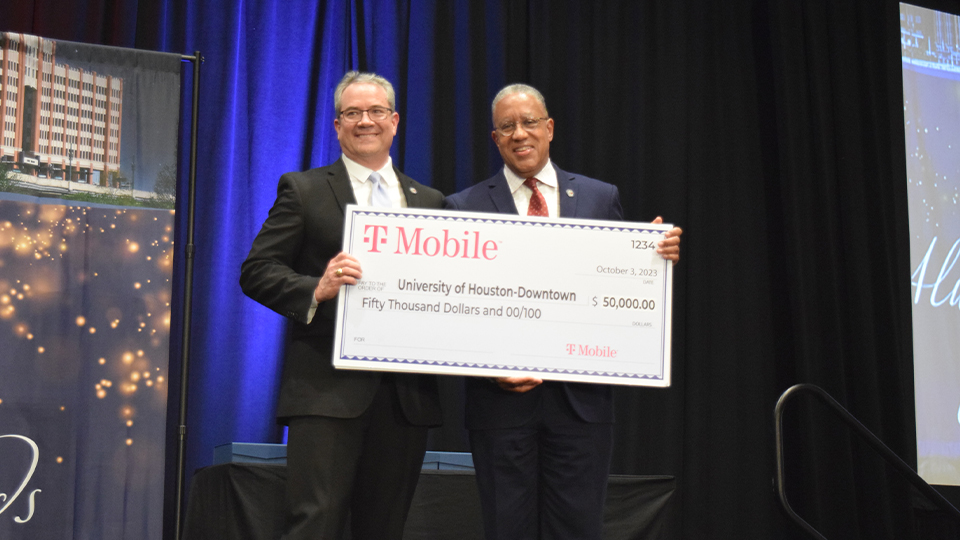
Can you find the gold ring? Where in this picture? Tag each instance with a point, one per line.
(339, 272)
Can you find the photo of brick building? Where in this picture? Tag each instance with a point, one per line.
(59, 122)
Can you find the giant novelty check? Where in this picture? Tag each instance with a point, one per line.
(496, 295)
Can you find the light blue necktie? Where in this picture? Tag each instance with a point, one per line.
(379, 196)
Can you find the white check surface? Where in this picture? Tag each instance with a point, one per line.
(492, 295)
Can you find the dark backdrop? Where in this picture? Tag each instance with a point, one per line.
(770, 130)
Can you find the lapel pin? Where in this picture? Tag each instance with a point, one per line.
(569, 193)
(413, 189)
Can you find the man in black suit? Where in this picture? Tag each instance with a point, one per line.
(356, 439)
(541, 449)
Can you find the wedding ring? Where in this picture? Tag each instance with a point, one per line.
(339, 272)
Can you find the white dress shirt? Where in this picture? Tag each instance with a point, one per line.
(547, 185)
(363, 189)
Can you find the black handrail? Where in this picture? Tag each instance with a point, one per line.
(871, 439)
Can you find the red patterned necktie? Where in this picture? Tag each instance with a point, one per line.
(538, 205)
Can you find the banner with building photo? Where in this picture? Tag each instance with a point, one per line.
(88, 156)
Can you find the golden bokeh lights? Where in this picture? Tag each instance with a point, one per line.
(86, 291)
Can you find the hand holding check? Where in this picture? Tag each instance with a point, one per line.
(344, 268)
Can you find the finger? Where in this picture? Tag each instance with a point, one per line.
(520, 388)
(506, 386)
(518, 380)
(528, 386)
(657, 220)
(343, 258)
(345, 273)
(343, 265)
(671, 256)
(522, 384)
(515, 384)
(347, 280)
(669, 242)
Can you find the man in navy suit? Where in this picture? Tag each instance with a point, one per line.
(541, 449)
(356, 439)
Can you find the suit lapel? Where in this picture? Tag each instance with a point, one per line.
(409, 189)
(339, 181)
(567, 192)
(500, 194)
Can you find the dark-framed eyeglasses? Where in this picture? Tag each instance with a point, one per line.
(376, 114)
(529, 124)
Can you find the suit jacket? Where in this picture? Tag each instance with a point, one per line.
(302, 232)
(487, 406)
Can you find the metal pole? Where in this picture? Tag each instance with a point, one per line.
(187, 297)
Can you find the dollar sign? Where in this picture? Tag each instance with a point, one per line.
(594, 301)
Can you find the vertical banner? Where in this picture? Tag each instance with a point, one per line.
(930, 48)
(88, 156)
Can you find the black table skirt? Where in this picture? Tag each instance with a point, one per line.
(237, 501)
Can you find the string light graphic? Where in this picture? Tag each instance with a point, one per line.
(85, 293)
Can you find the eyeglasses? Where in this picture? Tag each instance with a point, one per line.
(376, 114)
(529, 124)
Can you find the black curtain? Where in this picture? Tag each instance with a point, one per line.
(772, 132)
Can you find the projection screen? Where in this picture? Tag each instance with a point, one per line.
(930, 51)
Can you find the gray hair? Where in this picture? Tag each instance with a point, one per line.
(511, 89)
(354, 77)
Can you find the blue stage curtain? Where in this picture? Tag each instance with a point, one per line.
(267, 109)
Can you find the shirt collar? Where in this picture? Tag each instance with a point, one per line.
(358, 173)
(547, 175)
